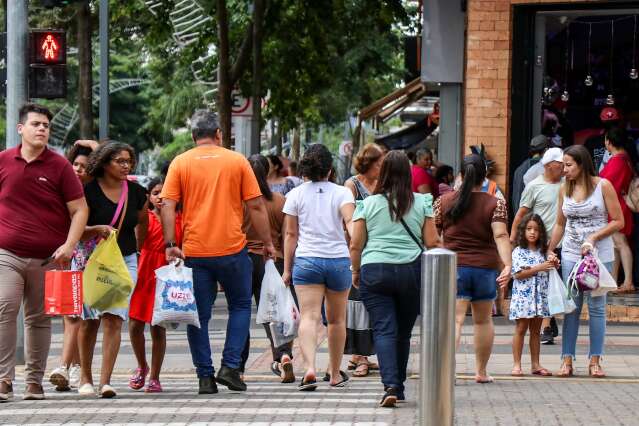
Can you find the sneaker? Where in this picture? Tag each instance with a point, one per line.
(86, 389)
(553, 326)
(33, 392)
(74, 375)
(389, 399)
(136, 382)
(154, 386)
(60, 378)
(107, 391)
(230, 377)
(401, 398)
(207, 386)
(546, 337)
(6, 392)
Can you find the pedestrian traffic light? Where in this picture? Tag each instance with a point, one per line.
(48, 59)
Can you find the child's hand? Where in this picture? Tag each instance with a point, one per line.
(548, 265)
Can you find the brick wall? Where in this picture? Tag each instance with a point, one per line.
(487, 88)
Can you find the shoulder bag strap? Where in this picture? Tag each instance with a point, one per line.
(401, 220)
(122, 205)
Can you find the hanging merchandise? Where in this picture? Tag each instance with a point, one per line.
(633, 72)
(588, 81)
(565, 95)
(610, 100)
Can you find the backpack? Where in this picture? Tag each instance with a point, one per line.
(585, 274)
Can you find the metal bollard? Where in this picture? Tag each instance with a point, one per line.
(437, 361)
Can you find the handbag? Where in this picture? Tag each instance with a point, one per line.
(632, 195)
(585, 274)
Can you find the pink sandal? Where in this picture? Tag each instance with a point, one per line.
(136, 382)
(154, 386)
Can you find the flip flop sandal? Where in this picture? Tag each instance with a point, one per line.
(327, 377)
(542, 372)
(275, 368)
(373, 366)
(517, 372)
(307, 386)
(352, 365)
(289, 376)
(343, 382)
(487, 380)
(361, 370)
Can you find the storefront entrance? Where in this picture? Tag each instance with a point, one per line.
(570, 62)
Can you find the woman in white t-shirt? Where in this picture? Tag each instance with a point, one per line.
(316, 260)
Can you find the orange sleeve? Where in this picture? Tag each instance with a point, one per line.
(250, 188)
(172, 188)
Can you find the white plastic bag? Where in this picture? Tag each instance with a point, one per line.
(270, 309)
(174, 297)
(286, 330)
(606, 281)
(559, 300)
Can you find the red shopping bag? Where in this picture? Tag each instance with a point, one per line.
(63, 292)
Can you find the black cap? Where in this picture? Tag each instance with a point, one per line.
(539, 143)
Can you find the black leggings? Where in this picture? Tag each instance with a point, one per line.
(258, 275)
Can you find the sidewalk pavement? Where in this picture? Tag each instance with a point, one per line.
(508, 401)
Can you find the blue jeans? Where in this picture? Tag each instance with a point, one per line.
(234, 273)
(596, 319)
(334, 273)
(391, 294)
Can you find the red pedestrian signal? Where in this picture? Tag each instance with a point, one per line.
(48, 47)
(48, 58)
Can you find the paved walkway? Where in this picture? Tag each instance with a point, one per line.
(526, 401)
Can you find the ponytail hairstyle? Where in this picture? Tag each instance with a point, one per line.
(394, 183)
(473, 174)
(260, 165)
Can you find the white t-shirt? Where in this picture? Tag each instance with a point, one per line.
(317, 207)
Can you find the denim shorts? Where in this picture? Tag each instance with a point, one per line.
(476, 284)
(334, 273)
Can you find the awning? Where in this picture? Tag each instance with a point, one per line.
(407, 137)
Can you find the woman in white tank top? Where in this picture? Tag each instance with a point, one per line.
(587, 216)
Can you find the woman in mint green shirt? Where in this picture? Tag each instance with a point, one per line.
(391, 228)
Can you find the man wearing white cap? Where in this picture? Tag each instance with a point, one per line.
(541, 197)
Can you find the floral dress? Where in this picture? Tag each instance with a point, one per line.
(529, 296)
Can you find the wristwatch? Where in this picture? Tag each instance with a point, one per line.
(170, 244)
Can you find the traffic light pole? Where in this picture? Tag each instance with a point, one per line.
(17, 51)
(17, 39)
(104, 69)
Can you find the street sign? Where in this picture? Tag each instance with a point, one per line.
(47, 69)
(240, 106)
(3, 65)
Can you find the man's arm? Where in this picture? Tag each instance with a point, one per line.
(79, 213)
(167, 216)
(259, 220)
(523, 211)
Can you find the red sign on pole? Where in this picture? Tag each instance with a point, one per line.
(48, 47)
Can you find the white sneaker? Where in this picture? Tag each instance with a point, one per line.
(60, 378)
(74, 375)
(86, 389)
(107, 391)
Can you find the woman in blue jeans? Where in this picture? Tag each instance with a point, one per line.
(390, 229)
(588, 215)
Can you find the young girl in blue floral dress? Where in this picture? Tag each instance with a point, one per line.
(529, 302)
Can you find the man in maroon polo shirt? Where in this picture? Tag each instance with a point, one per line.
(42, 217)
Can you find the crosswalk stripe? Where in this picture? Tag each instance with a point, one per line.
(63, 411)
(216, 424)
(194, 400)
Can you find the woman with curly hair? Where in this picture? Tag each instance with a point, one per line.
(359, 335)
(316, 260)
(109, 166)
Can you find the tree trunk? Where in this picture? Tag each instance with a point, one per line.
(295, 150)
(280, 139)
(258, 27)
(225, 86)
(85, 80)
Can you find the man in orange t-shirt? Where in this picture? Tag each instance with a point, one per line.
(213, 183)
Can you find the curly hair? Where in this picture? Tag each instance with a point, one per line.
(104, 154)
(76, 151)
(365, 159)
(316, 163)
(542, 242)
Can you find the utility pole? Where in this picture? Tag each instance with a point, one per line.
(17, 51)
(104, 70)
(17, 37)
